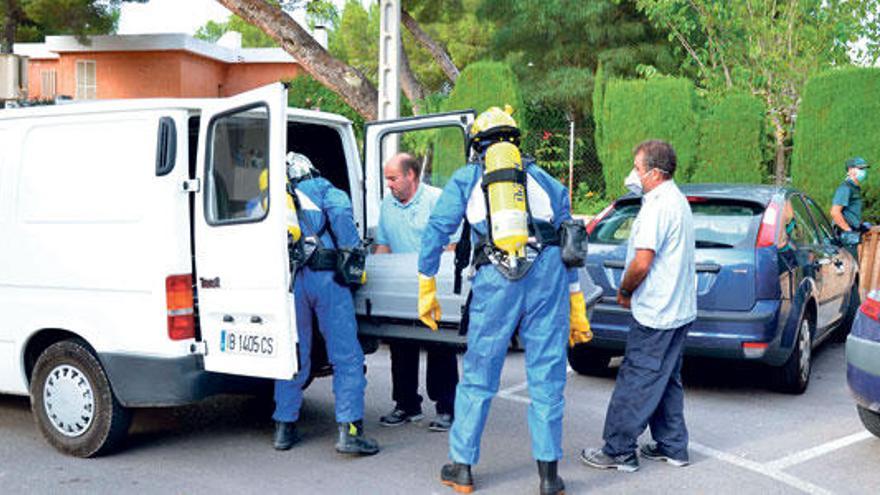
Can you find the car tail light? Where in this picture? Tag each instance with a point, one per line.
(598, 218)
(754, 349)
(767, 232)
(697, 199)
(871, 305)
(181, 314)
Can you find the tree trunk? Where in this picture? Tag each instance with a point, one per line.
(438, 52)
(346, 81)
(780, 154)
(10, 26)
(410, 84)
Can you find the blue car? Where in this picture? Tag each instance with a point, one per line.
(773, 280)
(863, 362)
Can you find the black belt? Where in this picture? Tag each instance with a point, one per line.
(323, 260)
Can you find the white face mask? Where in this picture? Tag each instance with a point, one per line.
(633, 183)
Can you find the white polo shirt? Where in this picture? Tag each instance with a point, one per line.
(667, 298)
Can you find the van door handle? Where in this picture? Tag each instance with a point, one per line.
(228, 319)
(256, 320)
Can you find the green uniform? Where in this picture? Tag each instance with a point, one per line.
(849, 196)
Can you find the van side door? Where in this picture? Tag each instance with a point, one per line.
(246, 312)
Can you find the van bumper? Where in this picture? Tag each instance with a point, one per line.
(140, 381)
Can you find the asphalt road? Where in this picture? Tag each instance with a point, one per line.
(744, 439)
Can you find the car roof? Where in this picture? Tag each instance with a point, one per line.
(758, 193)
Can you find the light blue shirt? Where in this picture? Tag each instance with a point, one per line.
(667, 298)
(401, 225)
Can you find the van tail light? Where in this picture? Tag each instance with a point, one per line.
(767, 232)
(598, 218)
(181, 314)
(871, 305)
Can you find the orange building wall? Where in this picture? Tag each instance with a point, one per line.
(176, 74)
(35, 67)
(242, 77)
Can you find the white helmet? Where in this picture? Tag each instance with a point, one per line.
(299, 167)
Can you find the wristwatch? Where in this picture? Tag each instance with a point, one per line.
(625, 293)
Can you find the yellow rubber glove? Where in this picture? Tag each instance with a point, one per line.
(364, 278)
(429, 306)
(579, 332)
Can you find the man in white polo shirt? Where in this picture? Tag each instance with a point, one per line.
(660, 286)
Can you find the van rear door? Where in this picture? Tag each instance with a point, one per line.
(245, 308)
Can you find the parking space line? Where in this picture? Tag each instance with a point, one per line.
(820, 450)
(759, 468)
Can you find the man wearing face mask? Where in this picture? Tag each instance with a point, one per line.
(846, 209)
(659, 286)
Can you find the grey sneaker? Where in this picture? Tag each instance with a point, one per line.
(598, 459)
(443, 422)
(651, 451)
(399, 417)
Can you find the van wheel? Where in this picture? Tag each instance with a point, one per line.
(870, 419)
(794, 376)
(841, 332)
(588, 360)
(73, 403)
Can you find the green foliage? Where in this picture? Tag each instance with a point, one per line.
(251, 36)
(731, 142)
(633, 111)
(838, 120)
(305, 92)
(556, 45)
(587, 202)
(480, 85)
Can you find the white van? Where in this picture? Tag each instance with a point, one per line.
(138, 269)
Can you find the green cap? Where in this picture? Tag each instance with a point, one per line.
(856, 162)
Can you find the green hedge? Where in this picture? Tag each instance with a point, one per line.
(479, 86)
(633, 111)
(731, 138)
(838, 118)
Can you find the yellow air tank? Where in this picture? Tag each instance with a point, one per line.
(292, 220)
(507, 201)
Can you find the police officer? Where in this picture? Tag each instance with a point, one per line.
(328, 229)
(846, 207)
(505, 297)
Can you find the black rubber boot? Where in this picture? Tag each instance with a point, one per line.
(458, 476)
(352, 440)
(551, 483)
(285, 435)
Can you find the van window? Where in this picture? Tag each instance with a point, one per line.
(323, 146)
(440, 151)
(93, 171)
(239, 153)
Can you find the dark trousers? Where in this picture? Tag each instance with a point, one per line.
(441, 377)
(648, 392)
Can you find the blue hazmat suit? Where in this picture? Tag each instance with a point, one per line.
(538, 304)
(318, 293)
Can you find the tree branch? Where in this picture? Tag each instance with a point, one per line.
(410, 84)
(437, 52)
(346, 81)
(687, 46)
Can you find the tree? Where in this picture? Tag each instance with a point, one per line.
(556, 46)
(345, 80)
(32, 20)
(766, 47)
(251, 37)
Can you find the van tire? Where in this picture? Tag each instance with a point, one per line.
(870, 420)
(70, 368)
(588, 360)
(793, 377)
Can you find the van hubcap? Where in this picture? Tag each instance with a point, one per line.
(805, 350)
(68, 400)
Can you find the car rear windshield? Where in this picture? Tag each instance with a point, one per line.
(718, 223)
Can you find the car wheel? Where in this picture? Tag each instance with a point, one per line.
(73, 404)
(870, 419)
(794, 376)
(588, 360)
(841, 332)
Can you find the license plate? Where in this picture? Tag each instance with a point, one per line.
(247, 344)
